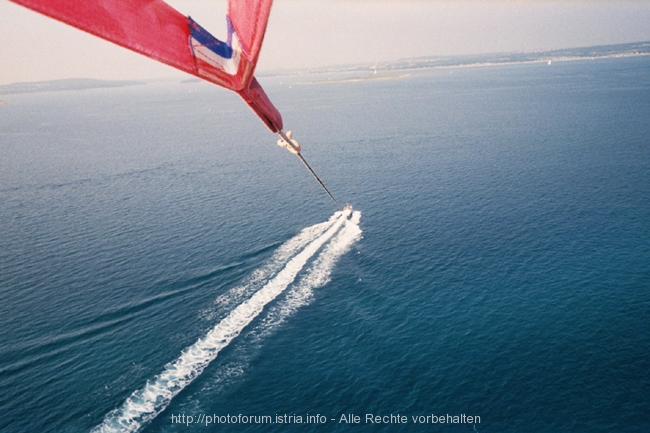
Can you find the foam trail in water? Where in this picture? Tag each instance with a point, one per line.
(298, 295)
(146, 403)
(279, 259)
(316, 276)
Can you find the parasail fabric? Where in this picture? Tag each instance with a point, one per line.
(255, 97)
(249, 19)
(156, 30)
(149, 27)
(216, 61)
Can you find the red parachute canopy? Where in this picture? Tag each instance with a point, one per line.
(156, 30)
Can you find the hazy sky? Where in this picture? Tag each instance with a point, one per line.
(309, 33)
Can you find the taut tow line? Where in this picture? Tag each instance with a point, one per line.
(284, 137)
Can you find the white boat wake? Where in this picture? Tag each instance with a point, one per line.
(146, 403)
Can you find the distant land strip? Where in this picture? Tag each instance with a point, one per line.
(65, 84)
(380, 70)
(431, 62)
(355, 79)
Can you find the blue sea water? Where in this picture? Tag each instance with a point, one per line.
(503, 269)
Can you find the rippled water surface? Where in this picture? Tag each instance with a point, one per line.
(160, 256)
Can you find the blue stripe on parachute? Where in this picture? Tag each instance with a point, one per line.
(204, 37)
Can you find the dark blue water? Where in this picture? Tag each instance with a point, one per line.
(504, 269)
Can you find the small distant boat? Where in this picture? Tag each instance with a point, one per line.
(549, 63)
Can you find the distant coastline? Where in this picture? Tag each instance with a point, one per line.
(65, 84)
(494, 59)
(375, 71)
(357, 78)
